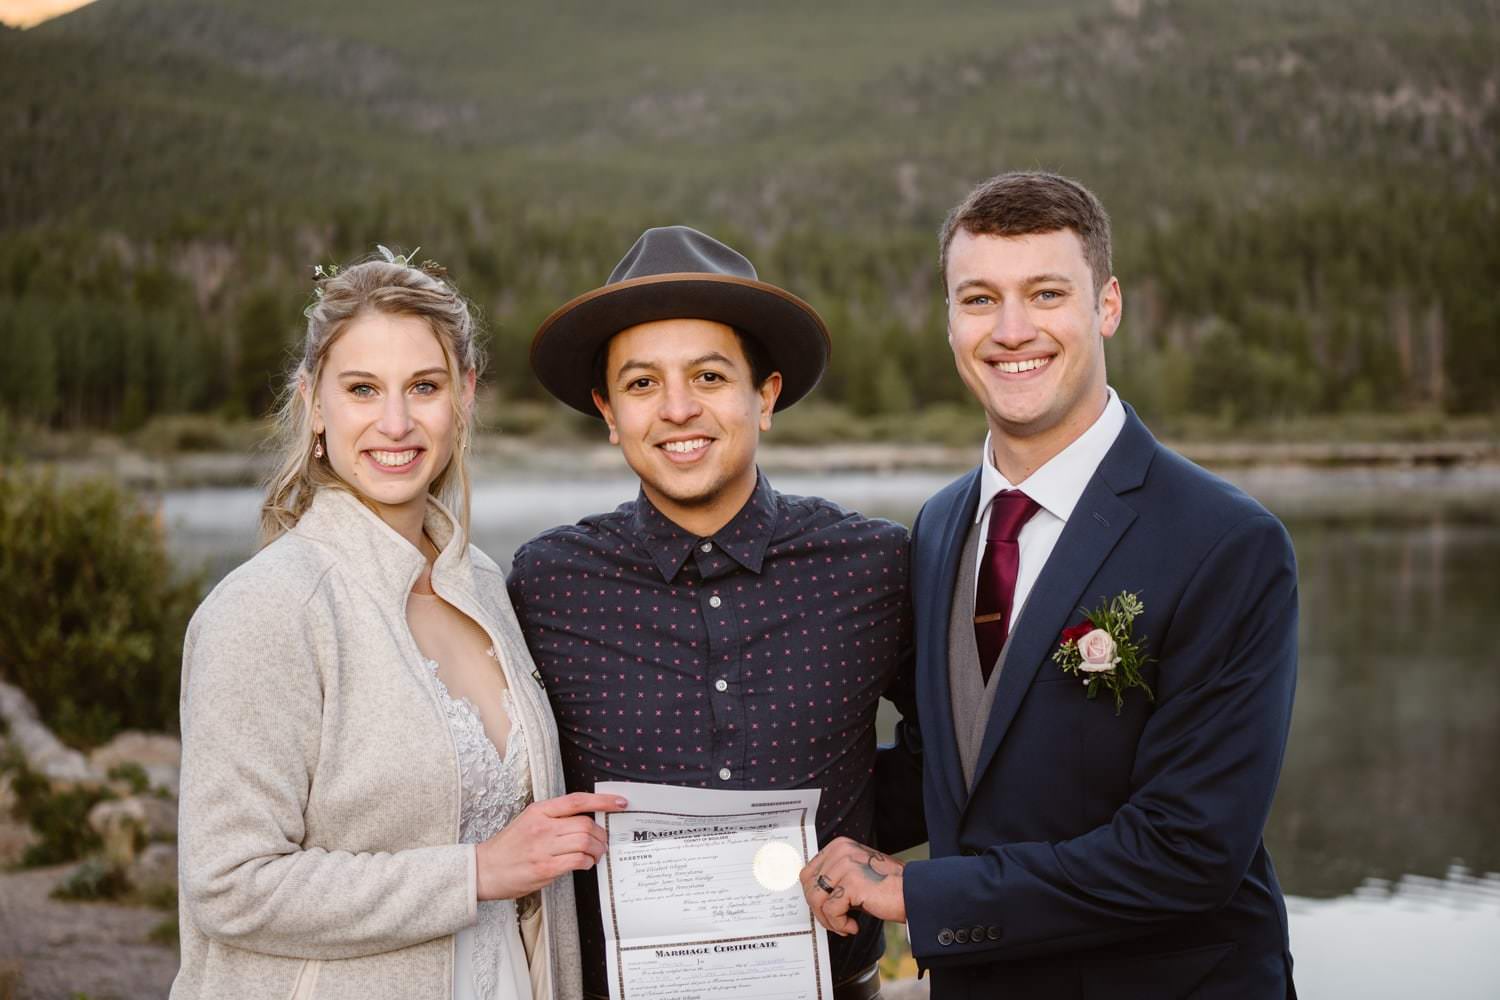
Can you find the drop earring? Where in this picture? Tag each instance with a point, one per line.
(318, 448)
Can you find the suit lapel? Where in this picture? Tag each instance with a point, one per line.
(953, 524)
(1098, 522)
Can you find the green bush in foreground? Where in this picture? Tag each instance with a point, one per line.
(60, 818)
(93, 880)
(92, 613)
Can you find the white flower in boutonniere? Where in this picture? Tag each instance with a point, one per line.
(1103, 652)
(1098, 652)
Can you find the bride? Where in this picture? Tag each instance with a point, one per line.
(371, 791)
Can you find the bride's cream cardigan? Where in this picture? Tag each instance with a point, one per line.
(320, 785)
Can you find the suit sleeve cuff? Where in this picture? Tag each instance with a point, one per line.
(935, 897)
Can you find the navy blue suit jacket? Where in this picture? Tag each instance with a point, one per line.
(1104, 855)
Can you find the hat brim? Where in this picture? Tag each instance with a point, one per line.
(788, 329)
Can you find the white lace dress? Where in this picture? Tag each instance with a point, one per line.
(489, 958)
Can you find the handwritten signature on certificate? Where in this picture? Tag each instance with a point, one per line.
(700, 898)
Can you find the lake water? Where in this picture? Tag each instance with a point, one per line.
(1386, 829)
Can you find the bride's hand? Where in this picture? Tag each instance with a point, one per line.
(548, 839)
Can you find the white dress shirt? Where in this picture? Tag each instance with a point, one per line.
(1056, 487)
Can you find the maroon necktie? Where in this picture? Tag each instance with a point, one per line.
(997, 575)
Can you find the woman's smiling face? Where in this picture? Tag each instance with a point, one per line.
(386, 411)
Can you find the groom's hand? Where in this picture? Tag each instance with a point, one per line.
(847, 876)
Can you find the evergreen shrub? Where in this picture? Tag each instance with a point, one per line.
(95, 879)
(92, 612)
(60, 817)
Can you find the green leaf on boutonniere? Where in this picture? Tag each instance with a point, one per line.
(1103, 651)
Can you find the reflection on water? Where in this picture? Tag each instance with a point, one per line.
(1394, 760)
(1388, 795)
(1418, 936)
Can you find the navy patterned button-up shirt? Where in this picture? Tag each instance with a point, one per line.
(751, 659)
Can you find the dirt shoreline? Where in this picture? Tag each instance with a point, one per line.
(100, 950)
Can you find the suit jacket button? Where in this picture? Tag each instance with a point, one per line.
(977, 934)
(993, 933)
(945, 937)
(961, 935)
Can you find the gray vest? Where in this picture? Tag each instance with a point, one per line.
(972, 698)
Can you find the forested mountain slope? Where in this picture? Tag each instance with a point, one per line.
(1303, 194)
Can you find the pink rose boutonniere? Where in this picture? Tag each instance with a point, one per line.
(1102, 651)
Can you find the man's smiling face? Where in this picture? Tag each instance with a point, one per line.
(684, 408)
(1027, 332)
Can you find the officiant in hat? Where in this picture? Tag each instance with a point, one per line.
(713, 632)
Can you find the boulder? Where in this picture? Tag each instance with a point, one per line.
(15, 839)
(167, 777)
(44, 752)
(149, 750)
(157, 754)
(127, 825)
(155, 869)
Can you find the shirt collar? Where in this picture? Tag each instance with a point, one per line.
(745, 538)
(1058, 484)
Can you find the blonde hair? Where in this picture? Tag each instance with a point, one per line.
(383, 286)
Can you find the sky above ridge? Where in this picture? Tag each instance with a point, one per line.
(25, 13)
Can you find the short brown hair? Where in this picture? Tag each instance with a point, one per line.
(1022, 203)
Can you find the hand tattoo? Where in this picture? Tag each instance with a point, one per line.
(867, 866)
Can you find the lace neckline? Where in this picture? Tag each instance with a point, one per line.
(467, 706)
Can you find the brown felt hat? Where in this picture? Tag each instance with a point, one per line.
(674, 272)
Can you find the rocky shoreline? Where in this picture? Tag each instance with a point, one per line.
(53, 944)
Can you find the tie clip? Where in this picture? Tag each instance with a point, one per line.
(986, 619)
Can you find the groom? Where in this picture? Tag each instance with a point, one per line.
(1082, 846)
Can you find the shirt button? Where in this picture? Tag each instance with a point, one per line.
(721, 685)
(723, 774)
(714, 601)
(706, 547)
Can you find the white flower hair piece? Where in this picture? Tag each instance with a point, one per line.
(325, 272)
(321, 273)
(391, 257)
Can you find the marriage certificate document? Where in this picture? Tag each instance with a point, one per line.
(700, 897)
